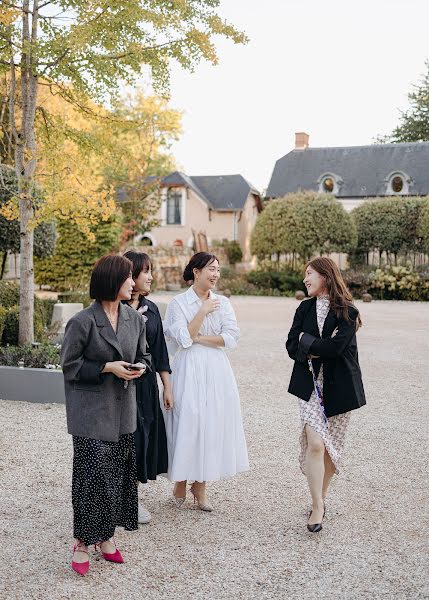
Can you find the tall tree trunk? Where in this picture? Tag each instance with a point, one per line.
(25, 165)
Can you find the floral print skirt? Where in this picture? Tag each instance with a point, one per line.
(333, 433)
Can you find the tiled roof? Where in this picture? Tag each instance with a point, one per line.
(361, 170)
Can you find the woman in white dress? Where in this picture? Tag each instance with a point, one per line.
(204, 430)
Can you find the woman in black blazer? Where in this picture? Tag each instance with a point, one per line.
(103, 351)
(326, 376)
(150, 437)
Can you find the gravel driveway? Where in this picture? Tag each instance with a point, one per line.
(374, 544)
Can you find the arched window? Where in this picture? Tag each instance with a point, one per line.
(329, 183)
(398, 184)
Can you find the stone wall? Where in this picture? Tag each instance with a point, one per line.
(170, 262)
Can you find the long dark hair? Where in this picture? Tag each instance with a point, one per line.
(198, 261)
(340, 297)
(141, 262)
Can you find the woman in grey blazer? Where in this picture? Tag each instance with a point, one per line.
(104, 350)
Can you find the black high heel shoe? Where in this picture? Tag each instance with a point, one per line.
(316, 527)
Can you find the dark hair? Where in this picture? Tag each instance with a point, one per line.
(141, 262)
(108, 275)
(198, 261)
(340, 297)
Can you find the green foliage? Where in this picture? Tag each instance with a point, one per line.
(37, 358)
(3, 316)
(9, 307)
(9, 293)
(70, 266)
(11, 326)
(399, 283)
(357, 279)
(44, 234)
(423, 225)
(414, 123)
(389, 225)
(233, 251)
(303, 224)
(281, 280)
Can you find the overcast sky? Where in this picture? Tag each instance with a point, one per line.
(340, 71)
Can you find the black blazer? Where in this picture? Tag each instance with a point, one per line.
(342, 379)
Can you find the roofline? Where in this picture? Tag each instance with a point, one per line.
(389, 145)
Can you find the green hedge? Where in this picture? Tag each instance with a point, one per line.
(280, 280)
(38, 357)
(9, 294)
(9, 315)
(3, 316)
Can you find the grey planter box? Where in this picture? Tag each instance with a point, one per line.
(32, 385)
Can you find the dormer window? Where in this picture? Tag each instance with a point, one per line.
(397, 184)
(329, 183)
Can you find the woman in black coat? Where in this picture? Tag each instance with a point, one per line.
(326, 376)
(150, 437)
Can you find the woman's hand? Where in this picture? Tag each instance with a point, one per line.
(168, 399)
(119, 368)
(210, 305)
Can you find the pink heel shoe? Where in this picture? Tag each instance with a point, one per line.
(115, 556)
(80, 568)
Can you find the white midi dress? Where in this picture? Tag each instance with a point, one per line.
(333, 433)
(205, 434)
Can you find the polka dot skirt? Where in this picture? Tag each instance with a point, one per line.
(104, 488)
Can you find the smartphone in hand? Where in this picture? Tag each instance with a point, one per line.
(136, 367)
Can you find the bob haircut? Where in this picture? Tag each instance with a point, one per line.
(198, 261)
(108, 275)
(141, 262)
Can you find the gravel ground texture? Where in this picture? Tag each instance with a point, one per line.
(374, 543)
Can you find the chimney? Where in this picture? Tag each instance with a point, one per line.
(301, 140)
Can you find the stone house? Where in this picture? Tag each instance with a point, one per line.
(221, 206)
(353, 173)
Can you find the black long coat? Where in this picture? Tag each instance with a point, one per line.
(150, 437)
(342, 380)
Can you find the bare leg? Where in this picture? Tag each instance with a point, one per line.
(329, 473)
(81, 553)
(200, 491)
(179, 490)
(315, 471)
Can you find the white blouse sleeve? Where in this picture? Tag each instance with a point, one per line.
(176, 325)
(229, 328)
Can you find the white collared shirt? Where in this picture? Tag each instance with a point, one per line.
(182, 310)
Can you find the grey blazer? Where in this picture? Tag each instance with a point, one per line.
(98, 405)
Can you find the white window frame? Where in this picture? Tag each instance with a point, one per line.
(337, 183)
(389, 180)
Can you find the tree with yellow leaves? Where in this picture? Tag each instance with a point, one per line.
(82, 50)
